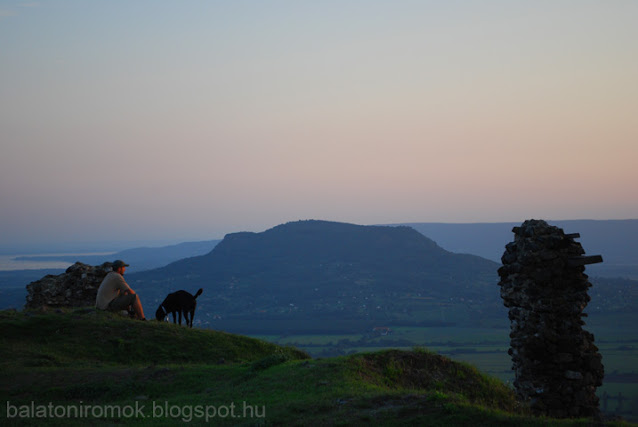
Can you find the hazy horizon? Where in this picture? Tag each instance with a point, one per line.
(171, 121)
(83, 247)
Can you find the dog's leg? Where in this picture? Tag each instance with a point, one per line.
(192, 316)
(174, 319)
(180, 317)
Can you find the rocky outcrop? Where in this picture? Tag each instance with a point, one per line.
(556, 363)
(77, 287)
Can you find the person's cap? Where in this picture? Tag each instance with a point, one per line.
(119, 263)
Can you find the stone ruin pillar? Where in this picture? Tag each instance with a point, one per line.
(543, 284)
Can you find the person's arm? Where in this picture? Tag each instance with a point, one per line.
(124, 288)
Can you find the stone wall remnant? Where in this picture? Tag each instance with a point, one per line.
(76, 287)
(542, 281)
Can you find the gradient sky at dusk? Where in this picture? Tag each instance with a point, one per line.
(187, 120)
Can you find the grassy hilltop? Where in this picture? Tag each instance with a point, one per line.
(73, 359)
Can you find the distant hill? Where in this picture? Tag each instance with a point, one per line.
(615, 240)
(13, 282)
(309, 270)
(140, 259)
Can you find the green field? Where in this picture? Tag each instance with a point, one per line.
(98, 368)
(486, 349)
(86, 357)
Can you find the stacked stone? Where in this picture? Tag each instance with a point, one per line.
(77, 287)
(557, 365)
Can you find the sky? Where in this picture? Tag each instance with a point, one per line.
(186, 120)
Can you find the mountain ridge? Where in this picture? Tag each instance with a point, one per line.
(310, 269)
(615, 240)
(139, 258)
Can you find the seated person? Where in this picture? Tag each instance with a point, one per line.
(114, 294)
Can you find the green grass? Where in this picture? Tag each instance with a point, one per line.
(486, 348)
(84, 358)
(89, 337)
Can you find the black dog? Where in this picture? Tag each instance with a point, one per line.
(178, 302)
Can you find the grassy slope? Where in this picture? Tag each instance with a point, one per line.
(87, 357)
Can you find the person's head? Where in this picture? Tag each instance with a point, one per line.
(119, 266)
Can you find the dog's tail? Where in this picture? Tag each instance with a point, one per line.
(199, 292)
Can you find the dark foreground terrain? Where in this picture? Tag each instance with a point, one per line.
(73, 367)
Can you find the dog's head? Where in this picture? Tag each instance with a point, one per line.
(160, 314)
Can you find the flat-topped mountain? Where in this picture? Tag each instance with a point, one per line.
(314, 269)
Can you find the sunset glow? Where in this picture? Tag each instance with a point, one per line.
(188, 120)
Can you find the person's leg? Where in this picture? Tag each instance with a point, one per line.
(137, 307)
(123, 302)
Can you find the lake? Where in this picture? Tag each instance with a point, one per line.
(9, 262)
